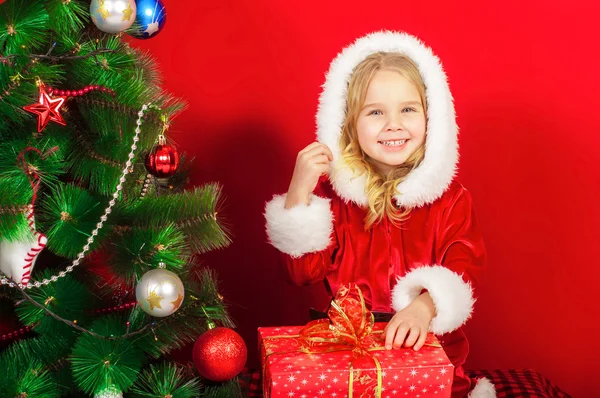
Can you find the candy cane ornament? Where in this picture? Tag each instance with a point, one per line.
(17, 259)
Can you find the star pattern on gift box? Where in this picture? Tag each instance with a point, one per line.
(405, 373)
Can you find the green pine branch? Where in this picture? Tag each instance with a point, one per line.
(100, 363)
(17, 169)
(26, 25)
(66, 298)
(69, 216)
(228, 389)
(140, 250)
(67, 17)
(195, 213)
(165, 380)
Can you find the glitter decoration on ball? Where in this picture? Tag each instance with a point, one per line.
(150, 19)
(160, 292)
(113, 16)
(163, 160)
(220, 354)
(109, 392)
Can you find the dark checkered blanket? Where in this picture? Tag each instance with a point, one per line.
(509, 383)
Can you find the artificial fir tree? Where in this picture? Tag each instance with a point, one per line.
(97, 234)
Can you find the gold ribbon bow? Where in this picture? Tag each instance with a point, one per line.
(349, 328)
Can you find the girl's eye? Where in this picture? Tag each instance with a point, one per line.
(405, 110)
(376, 112)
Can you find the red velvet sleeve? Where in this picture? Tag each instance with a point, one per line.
(305, 235)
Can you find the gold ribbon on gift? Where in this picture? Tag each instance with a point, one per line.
(349, 328)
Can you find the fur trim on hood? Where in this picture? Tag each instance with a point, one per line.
(432, 177)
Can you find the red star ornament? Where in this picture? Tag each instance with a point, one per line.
(47, 110)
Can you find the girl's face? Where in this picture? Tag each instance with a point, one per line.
(391, 124)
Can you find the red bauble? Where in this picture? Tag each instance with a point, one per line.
(220, 354)
(163, 161)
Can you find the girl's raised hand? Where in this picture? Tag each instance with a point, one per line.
(312, 162)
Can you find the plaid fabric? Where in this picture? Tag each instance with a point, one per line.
(251, 384)
(509, 383)
(520, 383)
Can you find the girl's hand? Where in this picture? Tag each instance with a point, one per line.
(409, 327)
(312, 163)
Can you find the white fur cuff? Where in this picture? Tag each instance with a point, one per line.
(301, 229)
(452, 296)
(483, 389)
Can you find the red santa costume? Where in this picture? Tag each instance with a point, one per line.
(438, 248)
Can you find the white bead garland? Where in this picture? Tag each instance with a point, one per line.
(103, 218)
(146, 185)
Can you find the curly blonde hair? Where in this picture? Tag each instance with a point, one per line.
(380, 189)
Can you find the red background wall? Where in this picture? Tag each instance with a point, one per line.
(525, 79)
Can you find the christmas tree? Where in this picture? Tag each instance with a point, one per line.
(98, 237)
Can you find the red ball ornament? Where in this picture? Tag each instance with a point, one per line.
(163, 161)
(220, 354)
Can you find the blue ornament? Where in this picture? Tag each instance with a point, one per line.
(150, 18)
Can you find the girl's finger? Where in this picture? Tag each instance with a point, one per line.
(421, 341)
(390, 333)
(309, 147)
(321, 159)
(400, 336)
(412, 337)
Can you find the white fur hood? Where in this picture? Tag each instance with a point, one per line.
(432, 177)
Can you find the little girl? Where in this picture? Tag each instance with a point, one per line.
(390, 217)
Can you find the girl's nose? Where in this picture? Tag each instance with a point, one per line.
(393, 124)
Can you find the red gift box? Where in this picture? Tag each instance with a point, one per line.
(344, 356)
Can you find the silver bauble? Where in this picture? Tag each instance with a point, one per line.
(160, 292)
(113, 16)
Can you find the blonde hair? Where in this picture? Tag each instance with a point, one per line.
(380, 189)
